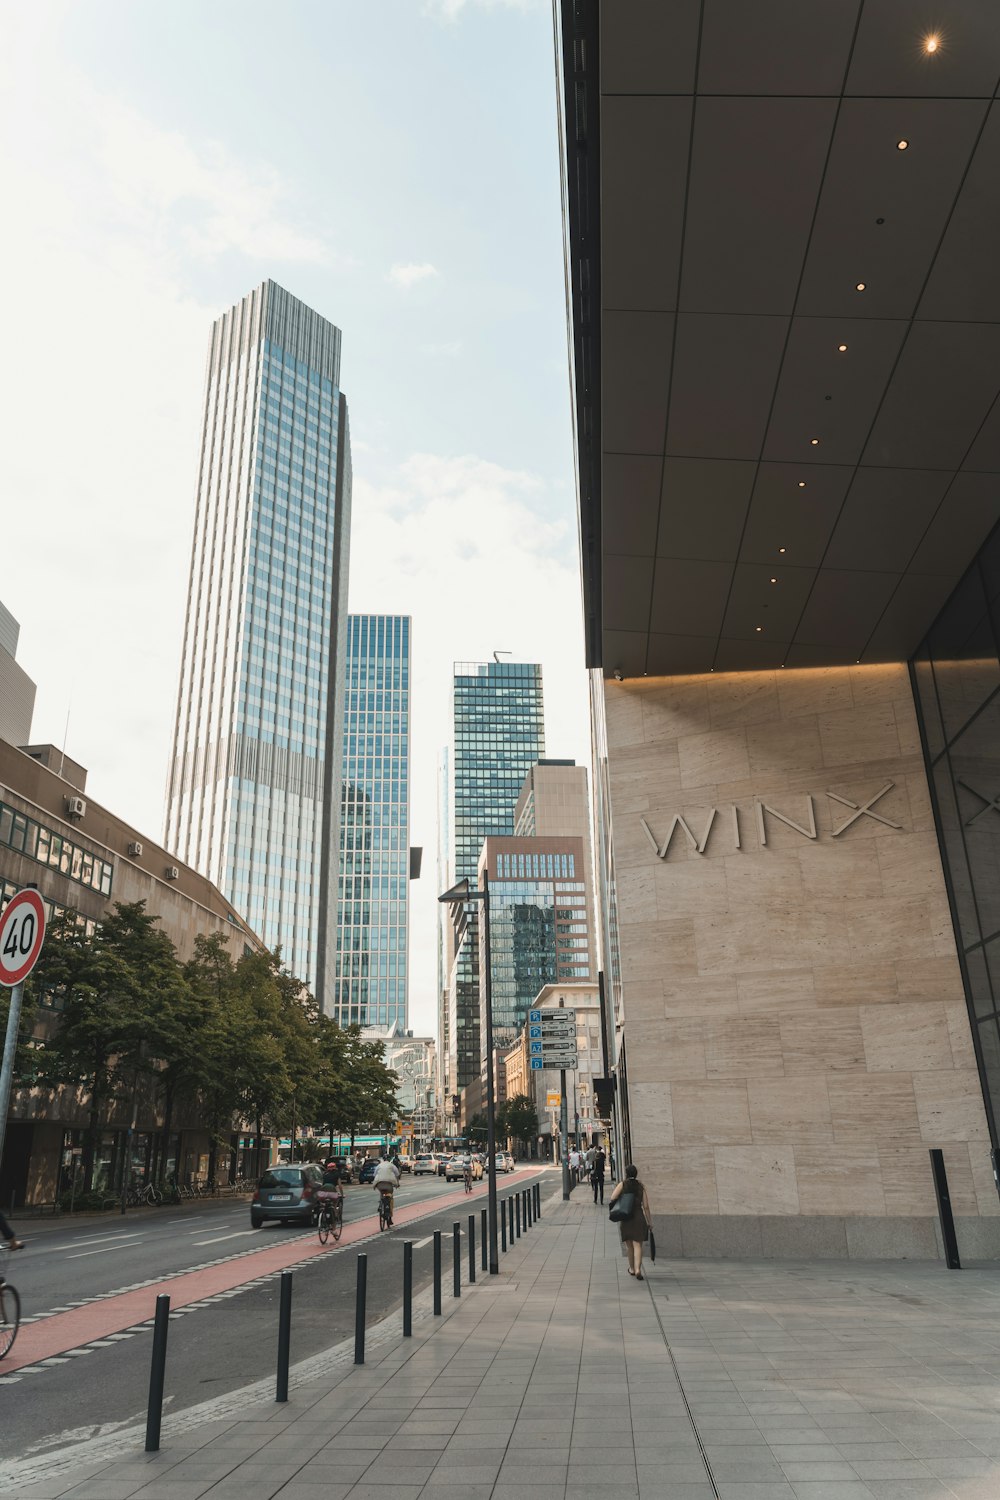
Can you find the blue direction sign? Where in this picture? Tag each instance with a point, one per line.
(536, 1064)
(536, 1049)
(534, 1015)
(534, 1031)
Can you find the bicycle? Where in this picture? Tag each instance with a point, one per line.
(331, 1217)
(468, 1179)
(384, 1210)
(10, 1316)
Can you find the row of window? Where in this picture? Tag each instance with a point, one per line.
(50, 848)
(532, 865)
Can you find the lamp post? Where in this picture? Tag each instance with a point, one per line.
(457, 896)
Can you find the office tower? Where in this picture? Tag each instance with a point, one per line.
(17, 691)
(253, 798)
(373, 911)
(499, 735)
(541, 924)
(446, 944)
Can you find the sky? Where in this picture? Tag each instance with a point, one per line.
(393, 163)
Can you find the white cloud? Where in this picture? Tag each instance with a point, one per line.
(465, 546)
(411, 275)
(450, 10)
(450, 349)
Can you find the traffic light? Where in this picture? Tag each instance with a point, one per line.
(456, 1105)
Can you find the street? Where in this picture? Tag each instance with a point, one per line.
(89, 1271)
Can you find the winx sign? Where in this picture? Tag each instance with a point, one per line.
(729, 817)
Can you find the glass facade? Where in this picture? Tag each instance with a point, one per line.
(253, 796)
(956, 679)
(373, 910)
(499, 734)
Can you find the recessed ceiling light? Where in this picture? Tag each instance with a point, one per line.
(774, 580)
(932, 43)
(860, 286)
(902, 145)
(814, 442)
(759, 629)
(802, 484)
(781, 549)
(842, 348)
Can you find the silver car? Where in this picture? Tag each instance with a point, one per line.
(287, 1194)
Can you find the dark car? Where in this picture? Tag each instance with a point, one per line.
(287, 1194)
(345, 1167)
(367, 1172)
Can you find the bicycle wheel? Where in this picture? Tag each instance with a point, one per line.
(323, 1225)
(10, 1317)
(155, 1196)
(338, 1221)
(383, 1213)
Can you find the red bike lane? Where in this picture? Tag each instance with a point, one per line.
(81, 1325)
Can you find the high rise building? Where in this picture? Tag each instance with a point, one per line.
(541, 925)
(499, 734)
(254, 788)
(17, 691)
(446, 936)
(373, 911)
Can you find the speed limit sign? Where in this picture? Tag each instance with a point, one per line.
(22, 932)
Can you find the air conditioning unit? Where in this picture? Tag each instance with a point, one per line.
(76, 807)
(173, 873)
(135, 850)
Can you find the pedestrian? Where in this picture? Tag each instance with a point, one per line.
(574, 1164)
(634, 1229)
(597, 1173)
(588, 1157)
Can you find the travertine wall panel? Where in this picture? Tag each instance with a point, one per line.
(796, 1027)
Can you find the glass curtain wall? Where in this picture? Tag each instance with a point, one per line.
(956, 681)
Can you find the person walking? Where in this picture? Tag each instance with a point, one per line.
(597, 1173)
(634, 1229)
(574, 1164)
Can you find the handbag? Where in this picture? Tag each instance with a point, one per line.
(622, 1208)
(652, 1243)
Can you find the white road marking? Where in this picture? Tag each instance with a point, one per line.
(102, 1239)
(223, 1225)
(419, 1244)
(79, 1254)
(239, 1234)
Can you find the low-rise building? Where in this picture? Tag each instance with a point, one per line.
(584, 1126)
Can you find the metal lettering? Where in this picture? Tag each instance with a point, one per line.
(678, 821)
(763, 807)
(736, 826)
(863, 809)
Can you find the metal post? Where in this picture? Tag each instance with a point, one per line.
(563, 1131)
(538, 1200)
(944, 1211)
(9, 1051)
(284, 1335)
(503, 1227)
(491, 1122)
(407, 1289)
(154, 1409)
(510, 1221)
(517, 1213)
(472, 1248)
(456, 1258)
(360, 1297)
(482, 1236)
(437, 1273)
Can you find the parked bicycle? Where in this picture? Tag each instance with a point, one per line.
(10, 1316)
(145, 1193)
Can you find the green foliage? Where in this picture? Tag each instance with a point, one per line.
(519, 1118)
(241, 1039)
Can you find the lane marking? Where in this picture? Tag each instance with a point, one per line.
(419, 1244)
(79, 1254)
(239, 1234)
(101, 1239)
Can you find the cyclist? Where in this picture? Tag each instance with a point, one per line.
(386, 1180)
(13, 1243)
(468, 1172)
(331, 1185)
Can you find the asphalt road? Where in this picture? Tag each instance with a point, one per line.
(213, 1349)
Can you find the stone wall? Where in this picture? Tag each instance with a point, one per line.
(795, 1021)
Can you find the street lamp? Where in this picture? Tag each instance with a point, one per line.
(457, 897)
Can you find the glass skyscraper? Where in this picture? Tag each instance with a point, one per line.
(254, 787)
(373, 911)
(499, 734)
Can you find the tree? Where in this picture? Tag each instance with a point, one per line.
(520, 1119)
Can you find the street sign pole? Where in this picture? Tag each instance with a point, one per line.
(9, 1049)
(562, 1135)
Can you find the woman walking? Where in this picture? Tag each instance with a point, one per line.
(634, 1229)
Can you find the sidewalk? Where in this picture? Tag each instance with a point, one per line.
(564, 1379)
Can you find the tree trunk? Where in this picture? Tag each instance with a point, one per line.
(168, 1116)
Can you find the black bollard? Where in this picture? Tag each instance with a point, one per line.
(472, 1248)
(284, 1335)
(456, 1258)
(360, 1298)
(407, 1289)
(517, 1213)
(527, 1208)
(482, 1235)
(510, 1221)
(437, 1273)
(503, 1225)
(538, 1201)
(157, 1370)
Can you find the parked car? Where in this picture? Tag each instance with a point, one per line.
(455, 1168)
(425, 1164)
(367, 1171)
(287, 1194)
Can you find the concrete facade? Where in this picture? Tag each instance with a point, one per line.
(796, 1030)
(17, 691)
